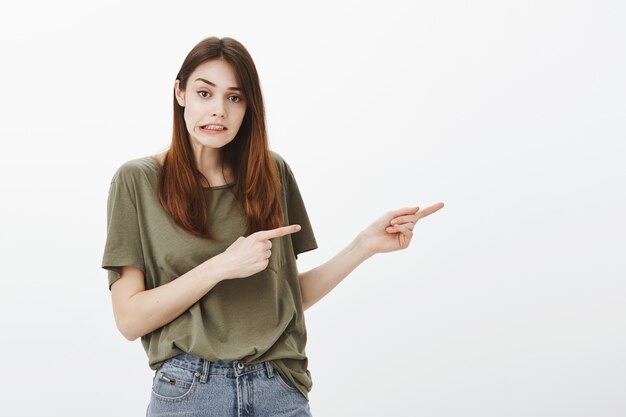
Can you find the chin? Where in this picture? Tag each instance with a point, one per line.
(212, 142)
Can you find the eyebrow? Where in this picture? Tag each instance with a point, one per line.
(210, 83)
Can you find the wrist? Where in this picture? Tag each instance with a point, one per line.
(215, 268)
(361, 248)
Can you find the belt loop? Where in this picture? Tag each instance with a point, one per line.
(270, 370)
(206, 365)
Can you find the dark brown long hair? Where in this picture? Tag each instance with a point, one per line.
(257, 179)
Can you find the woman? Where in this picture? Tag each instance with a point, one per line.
(201, 250)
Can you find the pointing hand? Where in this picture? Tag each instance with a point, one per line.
(394, 230)
(248, 255)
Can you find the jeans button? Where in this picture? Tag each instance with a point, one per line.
(240, 365)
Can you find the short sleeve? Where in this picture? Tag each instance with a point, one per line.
(303, 240)
(123, 242)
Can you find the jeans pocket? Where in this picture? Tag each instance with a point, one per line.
(284, 381)
(173, 383)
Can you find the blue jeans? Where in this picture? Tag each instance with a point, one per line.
(187, 385)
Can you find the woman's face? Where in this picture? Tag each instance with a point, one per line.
(209, 99)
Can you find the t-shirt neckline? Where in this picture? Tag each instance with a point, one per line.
(156, 164)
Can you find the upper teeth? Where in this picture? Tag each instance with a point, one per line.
(213, 127)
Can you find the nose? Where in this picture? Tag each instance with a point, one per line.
(217, 108)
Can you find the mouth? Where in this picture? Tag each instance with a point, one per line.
(212, 128)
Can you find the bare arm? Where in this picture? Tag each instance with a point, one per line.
(138, 312)
(319, 281)
(393, 231)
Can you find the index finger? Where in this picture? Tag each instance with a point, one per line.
(278, 232)
(429, 210)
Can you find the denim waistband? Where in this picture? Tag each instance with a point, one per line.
(204, 368)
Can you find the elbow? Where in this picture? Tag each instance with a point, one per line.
(126, 320)
(131, 337)
(127, 329)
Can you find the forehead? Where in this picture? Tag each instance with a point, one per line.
(217, 71)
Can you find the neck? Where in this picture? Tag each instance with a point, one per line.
(209, 162)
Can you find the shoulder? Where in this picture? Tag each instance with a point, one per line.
(286, 174)
(280, 161)
(134, 170)
(283, 166)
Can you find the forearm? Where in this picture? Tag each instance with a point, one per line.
(154, 308)
(319, 281)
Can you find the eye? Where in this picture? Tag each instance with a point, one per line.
(237, 98)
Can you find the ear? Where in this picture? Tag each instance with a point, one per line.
(180, 97)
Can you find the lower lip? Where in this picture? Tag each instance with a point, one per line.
(213, 132)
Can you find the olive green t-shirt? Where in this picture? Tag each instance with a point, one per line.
(253, 319)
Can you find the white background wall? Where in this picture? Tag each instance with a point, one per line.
(510, 301)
